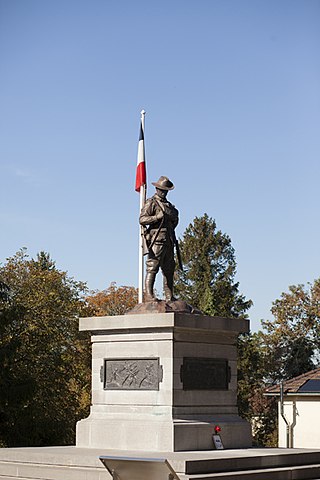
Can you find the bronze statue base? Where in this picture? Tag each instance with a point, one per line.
(162, 306)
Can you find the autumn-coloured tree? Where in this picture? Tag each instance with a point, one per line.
(251, 371)
(264, 418)
(260, 411)
(4, 292)
(113, 300)
(45, 361)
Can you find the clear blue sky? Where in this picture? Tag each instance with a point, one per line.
(231, 90)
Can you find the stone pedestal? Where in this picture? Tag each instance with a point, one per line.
(162, 382)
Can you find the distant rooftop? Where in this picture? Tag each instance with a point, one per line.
(307, 383)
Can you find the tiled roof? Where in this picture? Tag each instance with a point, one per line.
(293, 385)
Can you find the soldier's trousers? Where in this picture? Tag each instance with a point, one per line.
(162, 256)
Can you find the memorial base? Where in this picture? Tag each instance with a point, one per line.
(172, 436)
(163, 382)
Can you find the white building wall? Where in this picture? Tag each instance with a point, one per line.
(304, 415)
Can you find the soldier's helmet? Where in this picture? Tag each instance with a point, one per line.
(164, 184)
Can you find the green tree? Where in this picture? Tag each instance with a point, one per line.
(293, 336)
(208, 279)
(45, 374)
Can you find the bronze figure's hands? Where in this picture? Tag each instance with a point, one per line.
(159, 215)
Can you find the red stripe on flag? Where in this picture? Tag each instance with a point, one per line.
(141, 175)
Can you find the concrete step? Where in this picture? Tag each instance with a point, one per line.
(286, 473)
(24, 471)
(74, 463)
(35, 471)
(255, 459)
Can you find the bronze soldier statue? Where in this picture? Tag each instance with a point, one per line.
(161, 218)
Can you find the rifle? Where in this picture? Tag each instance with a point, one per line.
(176, 243)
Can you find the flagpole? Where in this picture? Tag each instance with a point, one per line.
(143, 189)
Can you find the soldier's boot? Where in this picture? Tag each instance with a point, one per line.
(149, 293)
(168, 289)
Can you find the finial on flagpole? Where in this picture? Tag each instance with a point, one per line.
(143, 113)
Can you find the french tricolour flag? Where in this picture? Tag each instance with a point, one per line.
(141, 174)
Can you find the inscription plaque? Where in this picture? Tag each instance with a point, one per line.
(131, 374)
(205, 373)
